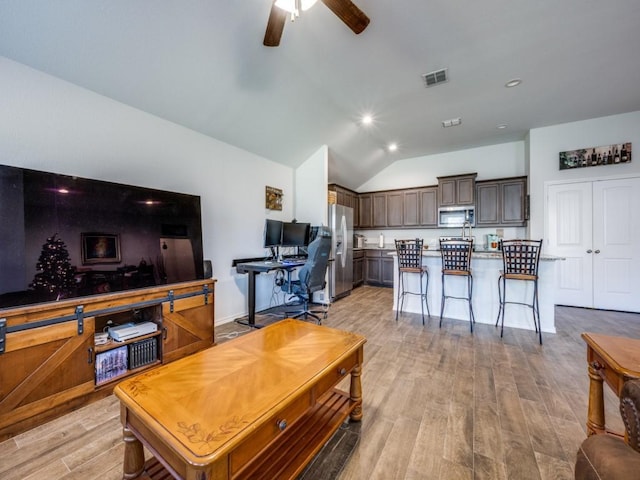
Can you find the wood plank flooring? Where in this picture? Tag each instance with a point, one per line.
(439, 403)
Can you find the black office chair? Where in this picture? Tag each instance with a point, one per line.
(311, 277)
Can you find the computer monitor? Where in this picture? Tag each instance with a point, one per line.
(295, 234)
(272, 233)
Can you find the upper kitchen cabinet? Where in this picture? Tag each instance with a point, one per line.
(457, 190)
(395, 209)
(420, 207)
(379, 209)
(501, 202)
(364, 211)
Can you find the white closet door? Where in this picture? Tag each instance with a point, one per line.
(569, 230)
(616, 244)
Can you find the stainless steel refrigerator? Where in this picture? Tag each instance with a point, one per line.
(341, 260)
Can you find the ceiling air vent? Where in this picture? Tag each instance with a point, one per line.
(435, 78)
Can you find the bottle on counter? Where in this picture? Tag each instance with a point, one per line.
(381, 241)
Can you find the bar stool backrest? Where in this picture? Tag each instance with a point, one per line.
(521, 257)
(456, 254)
(409, 253)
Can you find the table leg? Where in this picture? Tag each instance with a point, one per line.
(355, 392)
(595, 414)
(133, 455)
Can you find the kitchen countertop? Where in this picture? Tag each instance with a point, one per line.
(484, 254)
(478, 253)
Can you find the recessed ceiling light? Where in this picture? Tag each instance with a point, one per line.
(393, 147)
(367, 119)
(502, 126)
(513, 83)
(63, 190)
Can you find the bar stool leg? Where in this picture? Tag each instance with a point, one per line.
(499, 300)
(472, 319)
(399, 294)
(426, 293)
(421, 304)
(442, 301)
(537, 309)
(504, 302)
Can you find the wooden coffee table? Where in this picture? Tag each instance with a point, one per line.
(260, 406)
(613, 360)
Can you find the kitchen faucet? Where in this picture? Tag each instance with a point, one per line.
(464, 228)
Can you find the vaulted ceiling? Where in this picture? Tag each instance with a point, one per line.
(201, 64)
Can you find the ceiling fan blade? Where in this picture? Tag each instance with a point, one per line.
(352, 16)
(275, 25)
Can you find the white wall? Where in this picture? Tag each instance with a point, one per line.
(311, 180)
(546, 143)
(52, 125)
(494, 161)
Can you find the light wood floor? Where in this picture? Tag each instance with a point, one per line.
(438, 403)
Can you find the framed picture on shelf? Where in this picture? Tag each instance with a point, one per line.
(100, 248)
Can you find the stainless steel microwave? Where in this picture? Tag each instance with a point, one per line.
(455, 217)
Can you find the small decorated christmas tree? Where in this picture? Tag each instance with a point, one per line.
(55, 273)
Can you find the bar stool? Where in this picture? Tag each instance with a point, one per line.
(456, 261)
(409, 254)
(520, 259)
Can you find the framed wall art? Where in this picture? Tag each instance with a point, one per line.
(596, 156)
(100, 248)
(273, 198)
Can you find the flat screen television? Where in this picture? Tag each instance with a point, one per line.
(295, 234)
(65, 237)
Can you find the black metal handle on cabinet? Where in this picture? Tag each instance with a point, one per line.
(597, 251)
(164, 333)
(90, 355)
(282, 424)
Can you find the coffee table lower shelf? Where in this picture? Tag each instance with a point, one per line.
(288, 455)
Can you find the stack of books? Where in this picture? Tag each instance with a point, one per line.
(143, 352)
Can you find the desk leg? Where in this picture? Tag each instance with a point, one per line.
(133, 455)
(595, 414)
(355, 392)
(251, 293)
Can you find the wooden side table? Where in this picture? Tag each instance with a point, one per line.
(613, 360)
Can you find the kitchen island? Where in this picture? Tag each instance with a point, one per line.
(486, 268)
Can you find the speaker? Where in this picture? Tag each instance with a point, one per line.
(208, 269)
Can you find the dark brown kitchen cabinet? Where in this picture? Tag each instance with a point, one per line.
(420, 207)
(364, 210)
(358, 268)
(501, 202)
(378, 267)
(428, 206)
(411, 208)
(379, 209)
(457, 190)
(394, 209)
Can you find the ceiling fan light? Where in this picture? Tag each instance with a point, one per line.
(291, 6)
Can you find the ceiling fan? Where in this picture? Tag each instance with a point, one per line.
(345, 10)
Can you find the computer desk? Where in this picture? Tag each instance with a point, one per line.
(253, 269)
